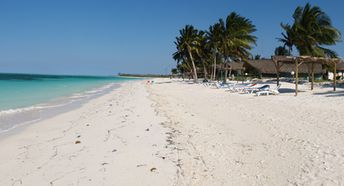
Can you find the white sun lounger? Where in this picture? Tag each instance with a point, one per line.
(273, 91)
(255, 89)
(239, 87)
(222, 86)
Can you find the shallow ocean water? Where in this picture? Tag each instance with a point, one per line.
(25, 98)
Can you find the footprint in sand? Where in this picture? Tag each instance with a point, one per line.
(153, 169)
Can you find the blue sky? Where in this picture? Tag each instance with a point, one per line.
(104, 37)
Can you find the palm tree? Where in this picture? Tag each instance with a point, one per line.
(179, 56)
(281, 51)
(236, 38)
(311, 30)
(188, 42)
(183, 68)
(287, 38)
(213, 37)
(203, 52)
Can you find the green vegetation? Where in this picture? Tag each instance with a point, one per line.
(225, 41)
(231, 40)
(282, 51)
(311, 31)
(188, 45)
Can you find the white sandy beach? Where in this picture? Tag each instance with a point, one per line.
(121, 143)
(175, 133)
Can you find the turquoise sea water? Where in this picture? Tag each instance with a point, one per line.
(25, 98)
(23, 90)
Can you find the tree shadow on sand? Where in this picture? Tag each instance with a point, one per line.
(330, 93)
(286, 90)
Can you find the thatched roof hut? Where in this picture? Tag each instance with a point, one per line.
(236, 66)
(266, 66)
(340, 66)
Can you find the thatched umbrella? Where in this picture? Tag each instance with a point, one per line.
(340, 67)
(298, 61)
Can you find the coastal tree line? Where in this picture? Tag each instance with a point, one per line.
(231, 40)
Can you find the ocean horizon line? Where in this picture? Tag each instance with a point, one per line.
(53, 74)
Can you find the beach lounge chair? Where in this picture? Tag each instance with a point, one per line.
(222, 85)
(250, 88)
(211, 84)
(239, 87)
(273, 91)
(206, 83)
(244, 89)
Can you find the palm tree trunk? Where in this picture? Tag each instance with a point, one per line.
(312, 84)
(214, 77)
(277, 66)
(309, 72)
(226, 70)
(277, 73)
(290, 49)
(193, 66)
(334, 76)
(296, 76)
(205, 71)
(278, 78)
(225, 78)
(226, 73)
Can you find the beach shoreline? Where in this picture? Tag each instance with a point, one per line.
(115, 134)
(57, 110)
(27, 98)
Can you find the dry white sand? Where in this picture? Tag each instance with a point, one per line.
(174, 133)
(231, 139)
